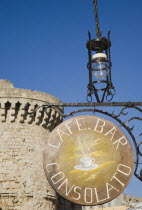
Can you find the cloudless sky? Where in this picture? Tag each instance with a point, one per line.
(42, 47)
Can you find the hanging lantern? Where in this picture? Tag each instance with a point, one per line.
(99, 64)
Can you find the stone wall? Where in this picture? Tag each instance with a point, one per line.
(23, 137)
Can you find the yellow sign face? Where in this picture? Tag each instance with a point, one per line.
(88, 160)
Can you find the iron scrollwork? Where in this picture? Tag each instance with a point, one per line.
(129, 129)
(124, 112)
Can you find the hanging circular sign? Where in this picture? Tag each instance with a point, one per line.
(88, 160)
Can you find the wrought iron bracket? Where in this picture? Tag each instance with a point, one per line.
(124, 112)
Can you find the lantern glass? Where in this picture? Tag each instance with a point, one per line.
(100, 69)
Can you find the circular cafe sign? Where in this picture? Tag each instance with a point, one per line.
(88, 160)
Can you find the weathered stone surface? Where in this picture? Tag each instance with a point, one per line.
(23, 184)
(6, 84)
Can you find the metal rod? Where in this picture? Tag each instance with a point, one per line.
(90, 59)
(105, 104)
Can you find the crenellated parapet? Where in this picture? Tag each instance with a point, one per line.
(16, 104)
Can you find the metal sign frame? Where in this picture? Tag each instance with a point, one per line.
(126, 106)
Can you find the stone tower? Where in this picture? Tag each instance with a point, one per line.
(23, 137)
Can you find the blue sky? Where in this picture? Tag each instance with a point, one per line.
(42, 47)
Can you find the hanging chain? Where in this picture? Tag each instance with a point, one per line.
(98, 31)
